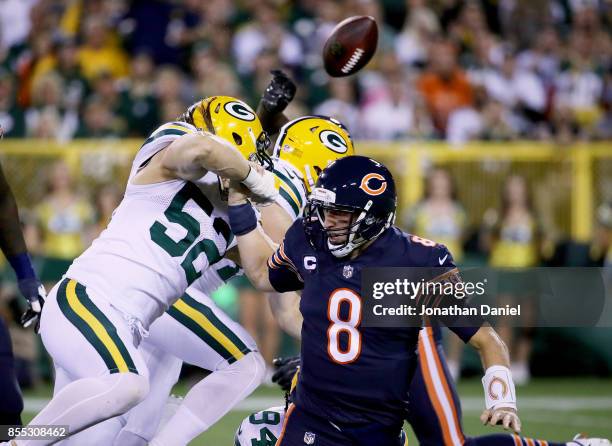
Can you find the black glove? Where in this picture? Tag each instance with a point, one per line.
(35, 293)
(285, 371)
(279, 92)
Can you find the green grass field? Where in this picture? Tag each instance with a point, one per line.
(550, 409)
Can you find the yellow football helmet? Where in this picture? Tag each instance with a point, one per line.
(232, 120)
(310, 143)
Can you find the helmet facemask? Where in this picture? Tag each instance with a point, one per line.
(364, 226)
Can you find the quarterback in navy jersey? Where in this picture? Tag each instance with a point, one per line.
(354, 380)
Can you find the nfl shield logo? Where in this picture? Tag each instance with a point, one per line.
(347, 272)
(309, 438)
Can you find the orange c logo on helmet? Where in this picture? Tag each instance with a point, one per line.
(373, 176)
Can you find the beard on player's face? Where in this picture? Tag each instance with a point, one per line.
(337, 224)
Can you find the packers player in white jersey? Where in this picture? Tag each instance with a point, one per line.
(162, 237)
(194, 329)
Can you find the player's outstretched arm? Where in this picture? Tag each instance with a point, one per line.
(500, 395)
(191, 156)
(254, 246)
(14, 248)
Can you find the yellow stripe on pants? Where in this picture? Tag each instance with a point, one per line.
(209, 328)
(95, 325)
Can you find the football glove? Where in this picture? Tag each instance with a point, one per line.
(35, 293)
(279, 92)
(285, 370)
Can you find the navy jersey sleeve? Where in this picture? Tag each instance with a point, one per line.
(282, 271)
(448, 274)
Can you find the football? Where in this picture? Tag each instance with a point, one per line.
(350, 46)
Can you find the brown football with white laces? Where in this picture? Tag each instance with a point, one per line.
(350, 46)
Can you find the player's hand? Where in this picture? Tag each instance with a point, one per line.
(285, 371)
(279, 92)
(261, 184)
(35, 293)
(505, 416)
(237, 193)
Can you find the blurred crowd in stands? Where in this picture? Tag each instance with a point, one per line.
(445, 69)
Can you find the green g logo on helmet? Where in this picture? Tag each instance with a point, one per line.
(231, 119)
(310, 143)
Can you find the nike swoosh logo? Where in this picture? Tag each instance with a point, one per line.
(443, 259)
(335, 425)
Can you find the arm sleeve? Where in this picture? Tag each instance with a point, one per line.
(282, 271)
(282, 274)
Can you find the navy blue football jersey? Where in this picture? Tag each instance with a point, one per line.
(352, 374)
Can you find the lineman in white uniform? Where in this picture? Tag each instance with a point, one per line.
(162, 236)
(291, 184)
(178, 335)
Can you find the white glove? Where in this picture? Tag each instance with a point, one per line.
(262, 187)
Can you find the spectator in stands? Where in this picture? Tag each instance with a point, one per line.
(98, 121)
(391, 116)
(170, 110)
(513, 236)
(439, 215)
(171, 86)
(265, 30)
(15, 22)
(315, 27)
(212, 76)
(12, 118)
(468, 29)
(444, 85)
(47, 117)
(107, 199)
(138, 101)
(420, 27)
(544, 57)
(488, 119)
(579, 88)
(67, 66)
(519, 91)
(106, 90)
(100, 51)
(342, 104)
(63, 218)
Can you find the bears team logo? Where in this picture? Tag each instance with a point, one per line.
(504, 388)
(238, 110)
(368, 188)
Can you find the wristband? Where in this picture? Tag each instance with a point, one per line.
(242, 218)
(22, 265)
(252, 179)
(499, 388)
